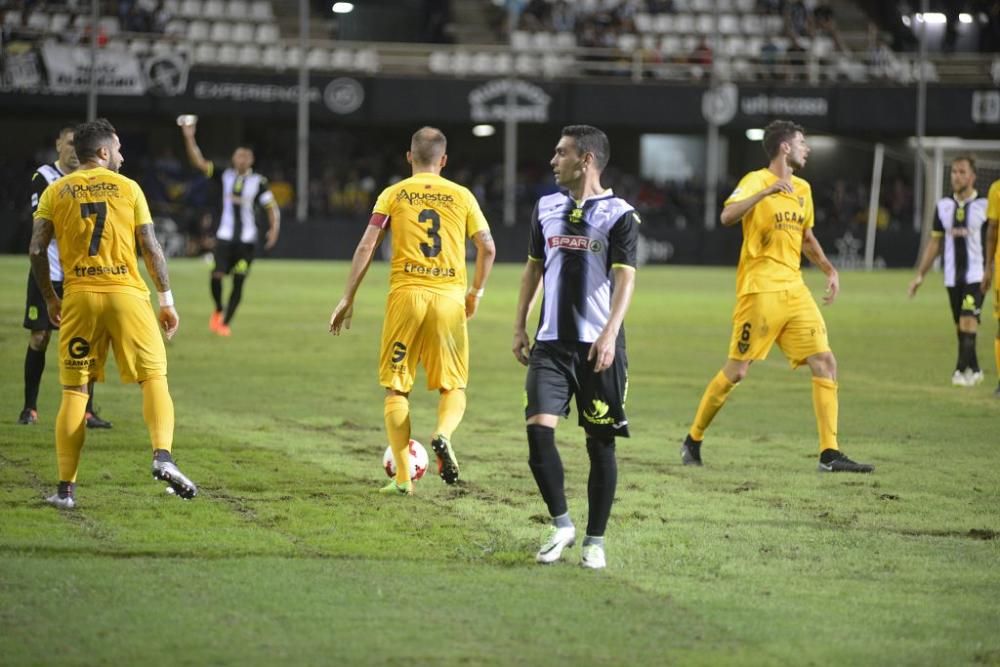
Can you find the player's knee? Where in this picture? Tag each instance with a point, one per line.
(39, 340)
(600, 446)
(736, 371)
(824, 365)
(548, 421)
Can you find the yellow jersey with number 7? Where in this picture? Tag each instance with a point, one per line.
(95, 213)
(430, 219)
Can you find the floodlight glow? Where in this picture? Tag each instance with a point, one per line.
(755, 134)
(483, 130)
(907, 21)
(343, 7)
(965, 18)
(932, 18)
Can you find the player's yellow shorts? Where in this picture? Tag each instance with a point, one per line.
(790, 318)
(426, 328)
(93, 321)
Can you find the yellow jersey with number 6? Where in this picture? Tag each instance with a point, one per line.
(95, 213)
(430, 219)
(772, 234)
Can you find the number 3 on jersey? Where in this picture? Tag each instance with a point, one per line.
(99, 211)
(434, 248)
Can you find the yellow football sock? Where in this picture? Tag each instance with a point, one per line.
(70, 429)
(397, 427)
(451, 409)
(158, 412)
(826, 407)
(711, 402)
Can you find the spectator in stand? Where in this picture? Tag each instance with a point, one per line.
(798, 21)
(825, 24)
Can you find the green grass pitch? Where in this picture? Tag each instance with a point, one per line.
(289, 557)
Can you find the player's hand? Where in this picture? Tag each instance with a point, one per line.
(189, 130)
(522, 347)
(780, 185)
(914, 286)
(602, 352)
(832, 287)
(984, 285)
(471, 305)
(169, 320)
(55, 310)
(341, 317)
(271, 239)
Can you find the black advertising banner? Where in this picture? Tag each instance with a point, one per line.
(167, 86)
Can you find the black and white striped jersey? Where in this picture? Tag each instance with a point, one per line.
(47, 173)
(962, 225)
(241, 194)
(580, 243)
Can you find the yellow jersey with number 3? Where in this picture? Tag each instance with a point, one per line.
(95, 213)
(771, 255)
(993, 213)
(430, 219)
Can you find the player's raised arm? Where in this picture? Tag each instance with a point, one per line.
(486, 252)
(41, 234)
(363, 254)
(198, 160)
(156, 264)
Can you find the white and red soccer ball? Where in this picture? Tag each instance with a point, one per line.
(418, 461)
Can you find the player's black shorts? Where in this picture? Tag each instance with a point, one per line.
(233, 256)
(36, 313)
(966, 301)
(558, 370)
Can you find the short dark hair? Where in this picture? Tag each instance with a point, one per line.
(968, 157)
(64, 129)
(427, 145)
(589, 139)
(777, 133)
(89, 137)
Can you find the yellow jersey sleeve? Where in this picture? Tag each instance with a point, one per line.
(993, 202)
(748, 186)
(807, 195)
(476, 221)
(383, 204)
(142, 214)
(44, 209)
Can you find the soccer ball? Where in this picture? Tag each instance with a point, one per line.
(418, 461)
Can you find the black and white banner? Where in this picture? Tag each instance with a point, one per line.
(55, 68)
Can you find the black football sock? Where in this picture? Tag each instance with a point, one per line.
(217, 293)
(234, 297)
(34, 364)
(967, 354)
(601, 484)
(90, 400)
(547, 468)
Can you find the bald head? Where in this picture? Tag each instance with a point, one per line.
(427, 147)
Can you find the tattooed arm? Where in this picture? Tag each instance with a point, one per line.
(41, 235)
(156, 264)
